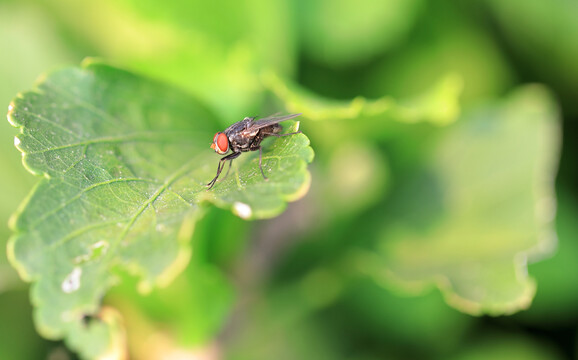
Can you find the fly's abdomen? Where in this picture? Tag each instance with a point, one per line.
(273, 129)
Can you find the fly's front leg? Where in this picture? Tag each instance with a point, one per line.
(229, 157)
(219, 169)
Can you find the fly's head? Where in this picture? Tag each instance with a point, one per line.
(220, 143)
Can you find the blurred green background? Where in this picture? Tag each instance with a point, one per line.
(316, 282)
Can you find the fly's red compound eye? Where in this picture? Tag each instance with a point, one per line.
(220, 143)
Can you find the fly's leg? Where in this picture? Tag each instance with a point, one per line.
(229, 169)
(260, 161)
(219, 169)
(280, 135)
(261, 150)
(229, 157)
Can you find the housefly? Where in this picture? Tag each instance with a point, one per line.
(246, 135)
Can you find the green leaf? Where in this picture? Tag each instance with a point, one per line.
(481, 211)
(372, 27)
(125, 163)
(532, 29)
(555, 302)
(506, 345)
(438, 104)
(181, 36)
(446, 40)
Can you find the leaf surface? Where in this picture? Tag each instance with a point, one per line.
(125, 162)
(482, 208)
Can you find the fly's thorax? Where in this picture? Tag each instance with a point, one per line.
(242, 140)
(244, 136)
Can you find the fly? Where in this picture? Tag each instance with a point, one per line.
(246, 135)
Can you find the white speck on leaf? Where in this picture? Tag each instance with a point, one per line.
(16, 141)
(72, 281)
(97, 249)
(242, 210)
(100, 244)
(81, 258)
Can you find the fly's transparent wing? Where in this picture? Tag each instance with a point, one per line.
(270, 120)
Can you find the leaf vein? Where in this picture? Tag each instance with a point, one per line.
(52, 122)
(80, 194)
(171, 179)
(84, 229)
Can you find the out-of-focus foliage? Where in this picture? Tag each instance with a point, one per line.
(555, 301)
(431, 189)
(542, 36)
(372, 27)
(483, 192)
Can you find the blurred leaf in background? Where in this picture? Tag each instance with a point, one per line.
(542, 39)
(491, 176)
(343, 33)
(214, 50)
(555, 302)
